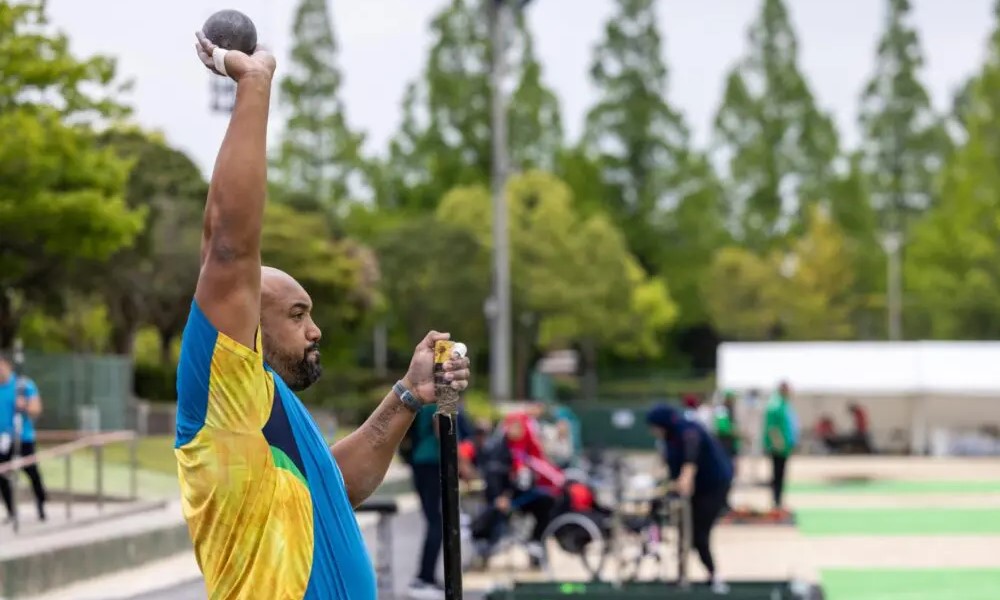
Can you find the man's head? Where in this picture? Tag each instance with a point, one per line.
(6, 367)
(291, 338)
(663, 421)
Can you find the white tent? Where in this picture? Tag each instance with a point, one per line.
(920, 388)
(869, 368)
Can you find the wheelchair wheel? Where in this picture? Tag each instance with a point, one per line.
(577, 535)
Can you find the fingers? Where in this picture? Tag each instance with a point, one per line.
(205, 48)
(205, 43)
(433, 337)
(460, 375)
(456, 364)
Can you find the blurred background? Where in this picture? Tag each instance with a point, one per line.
(696, 197)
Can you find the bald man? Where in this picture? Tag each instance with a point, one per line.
(269, 505)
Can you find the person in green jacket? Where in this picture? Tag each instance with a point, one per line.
(780, 438)
(727, 431)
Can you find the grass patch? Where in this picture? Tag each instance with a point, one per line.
(911, 584)
(156, 476)
(898, 521)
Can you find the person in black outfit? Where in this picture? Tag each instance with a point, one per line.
(701, 471)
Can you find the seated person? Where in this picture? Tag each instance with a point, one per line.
(827, 433)
(860, 438)
(519, 478)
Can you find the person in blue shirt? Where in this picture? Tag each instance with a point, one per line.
(20, 404)
(568, 425)
(701, 471)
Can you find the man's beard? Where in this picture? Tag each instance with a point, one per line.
(298, 372)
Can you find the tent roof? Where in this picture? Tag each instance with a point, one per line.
(878, 368)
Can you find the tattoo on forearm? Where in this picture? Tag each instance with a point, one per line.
(378, 428)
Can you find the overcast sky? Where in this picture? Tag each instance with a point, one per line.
(384, 44)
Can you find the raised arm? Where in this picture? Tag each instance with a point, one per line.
(228, 290)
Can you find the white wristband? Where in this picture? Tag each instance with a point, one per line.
(219, 58)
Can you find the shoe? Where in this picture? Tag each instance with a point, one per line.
(719, 586)
(423, 590)
(536, 554)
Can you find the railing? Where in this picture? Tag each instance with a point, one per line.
(73, 442)
(386, 508)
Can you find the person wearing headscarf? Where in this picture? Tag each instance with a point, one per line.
(519, 478)
(701, 472)
(536, 481)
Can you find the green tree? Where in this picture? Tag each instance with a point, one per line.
(445, 138)
(741, 293)
(905, 142)
(692, 233)
(339, 274)
(851, 209)
(573, 279)
(426, 287)
(779, 147)
(960, 102)
(535, 121)
(641, 142)
(61, 197)
(817, 300)
(951, 262)
(153, 279)
(319, 162)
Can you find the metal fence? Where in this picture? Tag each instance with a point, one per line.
(81, 391)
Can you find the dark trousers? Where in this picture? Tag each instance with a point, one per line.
(539, 505)
(705, 510)
(27, 449)
(778, 477)
(427, 481)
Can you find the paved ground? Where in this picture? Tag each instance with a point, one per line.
(178, 578)
(742, 551)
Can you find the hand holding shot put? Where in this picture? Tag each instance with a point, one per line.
(269, 504)
(234, 63)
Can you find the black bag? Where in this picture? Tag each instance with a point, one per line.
(408, 444)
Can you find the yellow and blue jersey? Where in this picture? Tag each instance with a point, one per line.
(263, 497)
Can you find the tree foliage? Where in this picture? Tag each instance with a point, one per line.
(951, 260)
(153, 279)
(905, 142)
(340, 275)
(445, 139)
(573, 278)
(779, 147)
(641, 142)
(817, 300)
(319, 162)
(61, 197)
(740, 291)
(434, 277)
